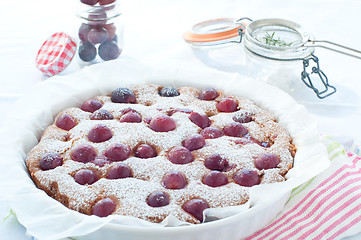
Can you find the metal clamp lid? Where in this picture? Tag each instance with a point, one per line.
(351, 52)
(307, 78)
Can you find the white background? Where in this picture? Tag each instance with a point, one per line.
(153, 34)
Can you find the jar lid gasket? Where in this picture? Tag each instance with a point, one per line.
(214, 31)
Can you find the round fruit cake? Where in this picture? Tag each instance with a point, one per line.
(151, 151)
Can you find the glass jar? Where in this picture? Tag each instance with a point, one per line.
(276, 51)
(100, 32)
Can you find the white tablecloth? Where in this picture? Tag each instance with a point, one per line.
(153, 34)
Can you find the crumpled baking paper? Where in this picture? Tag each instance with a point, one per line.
(45, 218)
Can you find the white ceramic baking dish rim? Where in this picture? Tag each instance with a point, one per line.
(47, 98)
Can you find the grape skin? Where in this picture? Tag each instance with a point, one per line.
(215, 179)
(180, 155)
(91, 105)
(87, 51)
(50, 161)
(195, 207)
(227, 105)
(117, 152)
(101, 114)
(84, 154)
(65, 122)
(174, 180)
(211, 133)
(97, 35)
(109, 50)
(106, 2)
(145, 151)
(168, 91)
(235, 129)
(85, 176)
(201, 121)
(100, 133)
(118, 171)
(131, 117)
(246, 177)
(123, 95)
(242, 117)
(162, 124)
(208, 94)
(158, 199)
(194, 142)
(89, 2)
(111, 29)
(216, 162)
(266, 161)
(104, 207)
(84, 29)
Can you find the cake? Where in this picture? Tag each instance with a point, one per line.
(150, 151)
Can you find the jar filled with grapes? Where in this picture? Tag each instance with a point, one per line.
(100, 31)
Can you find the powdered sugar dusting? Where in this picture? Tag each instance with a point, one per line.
(131, 193)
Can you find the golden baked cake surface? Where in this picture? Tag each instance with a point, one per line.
(150, 151)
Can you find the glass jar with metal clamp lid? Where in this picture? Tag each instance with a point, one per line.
(277, 51)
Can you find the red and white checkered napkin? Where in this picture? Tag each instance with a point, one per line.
(327, 207)
(55, 54)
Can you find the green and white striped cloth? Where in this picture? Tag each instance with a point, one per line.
(326, 207)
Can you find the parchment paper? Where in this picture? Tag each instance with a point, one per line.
(45, 218)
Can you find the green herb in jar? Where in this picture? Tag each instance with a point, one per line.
(272, 41)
